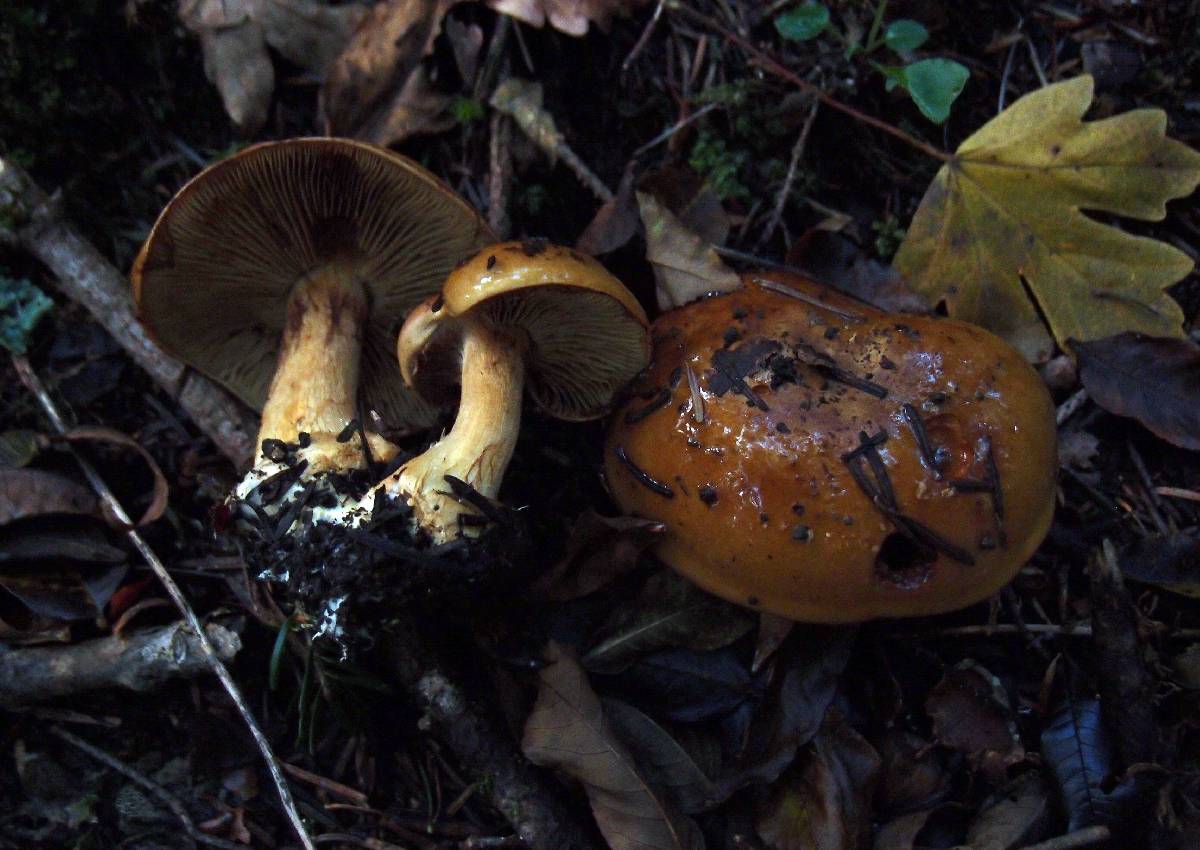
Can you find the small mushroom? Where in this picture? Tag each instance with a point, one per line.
(284, 272)
(520, 314)
(828, 462)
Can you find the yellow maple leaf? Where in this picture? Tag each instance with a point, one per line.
(1008, 206)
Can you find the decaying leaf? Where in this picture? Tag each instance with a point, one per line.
(18, 447)
(913, 775)
(688, 686)
(824, 803)
(34, 492)
(1015, 816)
(667, 766)
(971, 714)
(568, 16)
(599, 550)
(685, 266)
(1171, 562)
(772, 632)
(670, 611)
(807, 669)
(1151, 379)
(614, 223)
(1008, 206)
(368, 93)
(567, 730)
(234, 35)
(1079, 753)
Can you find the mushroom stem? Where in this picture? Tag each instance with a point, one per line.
(481, 443)
(316, 378)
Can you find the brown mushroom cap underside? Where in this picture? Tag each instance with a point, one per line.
(586, 333)
(851, 464)
(213, 278)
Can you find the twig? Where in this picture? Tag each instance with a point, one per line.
(1082, 630)
(522, 101)
(1088, 837)
(333, 787)
(500, 173)
(169, 800)
(644, 38)
(770, 63)
(1126, 685)
(1067, 409)
(673, 129)
(512, 785)
(140, 662)
(793, 165)
(34, 384)
(30, 219)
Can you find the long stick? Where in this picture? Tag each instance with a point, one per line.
(30, 219)
(34, 384)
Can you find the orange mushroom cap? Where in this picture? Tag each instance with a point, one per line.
(825, 461)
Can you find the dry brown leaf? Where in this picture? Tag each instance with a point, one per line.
(234, 35)
(33, 492)
(599, 550)
(370, 76)
(825, 802)
(685, 266)
(567, 730)
(1153, 380)
(773, 630)
(971, 713)
(569, 16)
(417, 109)
(1009, 207)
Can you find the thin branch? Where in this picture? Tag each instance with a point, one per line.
(139, 662)
(770, 63)
(1089, 837)
(34, 384)
(793, 165)
(30, 220)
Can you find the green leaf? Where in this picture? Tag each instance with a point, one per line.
(893, 76)
(903, 35)
(21, 306)
(934, 84)
(803, 22)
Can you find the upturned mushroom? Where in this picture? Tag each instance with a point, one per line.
(517, 315)
(284, 272)
(819, 459)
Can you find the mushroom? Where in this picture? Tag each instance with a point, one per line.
(284, 272)
(517, 314)
(824, 461)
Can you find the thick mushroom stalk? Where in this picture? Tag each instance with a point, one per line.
(479, 446)
(314, 389)
(516, 315)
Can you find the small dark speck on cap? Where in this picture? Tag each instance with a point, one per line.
(802, 533)
(798, 509)
(831, 332)
(708, 495)
(764, 518)
(782, 428)
(491, 262)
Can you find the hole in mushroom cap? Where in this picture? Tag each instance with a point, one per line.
(903, 561)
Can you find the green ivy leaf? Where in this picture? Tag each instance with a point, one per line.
(934, 84)
(904, 35)
(803, 22)
(21, 306)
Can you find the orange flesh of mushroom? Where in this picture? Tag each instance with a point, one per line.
(848, 464)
